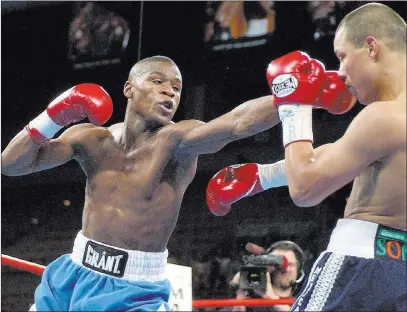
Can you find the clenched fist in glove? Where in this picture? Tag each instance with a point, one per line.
(237, 181)
(335, 97)
(300, 83)
(295, 78)
(84, 100)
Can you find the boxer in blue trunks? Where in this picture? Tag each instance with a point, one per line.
(105, 278)
(364, 266)
(137, 173)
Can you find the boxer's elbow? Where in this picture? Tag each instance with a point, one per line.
(9, 171)
(304, 200)
(303, 190)
(14, 171)
(6, 166)
(14, 167)
(299, 196)
(6, 172)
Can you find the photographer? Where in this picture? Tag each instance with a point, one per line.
(279, 283)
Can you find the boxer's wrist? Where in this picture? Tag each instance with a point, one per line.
(272, 175)
(297, 123)
(42, 127)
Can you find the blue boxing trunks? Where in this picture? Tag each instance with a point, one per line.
(99, 277)
(363, 269)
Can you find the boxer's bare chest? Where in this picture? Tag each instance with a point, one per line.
(148, 166)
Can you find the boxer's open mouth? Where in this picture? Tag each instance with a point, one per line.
(167, 106)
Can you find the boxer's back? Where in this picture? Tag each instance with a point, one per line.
(379, 192)
(133, 196)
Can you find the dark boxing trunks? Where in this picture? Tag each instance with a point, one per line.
(363, 269)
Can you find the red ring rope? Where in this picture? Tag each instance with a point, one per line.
(197, 303)
(212, 303)
(22, 264)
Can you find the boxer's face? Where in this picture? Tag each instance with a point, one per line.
(156, 92)
(357, 68)
(285, 278)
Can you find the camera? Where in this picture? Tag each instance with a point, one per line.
(253, 272)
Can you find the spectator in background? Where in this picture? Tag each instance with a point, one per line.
(280, 284)
(96, 34)
(238, 20)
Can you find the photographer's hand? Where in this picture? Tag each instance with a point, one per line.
(255, 249)
(269, 293)
(240, 294)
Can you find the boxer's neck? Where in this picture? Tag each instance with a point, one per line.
(134, 129)
(393, 81)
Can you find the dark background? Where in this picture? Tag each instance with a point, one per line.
(35, 69)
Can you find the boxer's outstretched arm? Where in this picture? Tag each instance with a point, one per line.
(247, 119)
(311, 178)
(23, 156)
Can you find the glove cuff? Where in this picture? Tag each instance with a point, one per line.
(272, 175)
(44, 125)
(297, 123)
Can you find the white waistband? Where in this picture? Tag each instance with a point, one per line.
(354, 237)
(146, 266)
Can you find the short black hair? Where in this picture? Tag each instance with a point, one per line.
(138, 68)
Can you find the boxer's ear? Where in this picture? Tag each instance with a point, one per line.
(127, 90)
(372, 46)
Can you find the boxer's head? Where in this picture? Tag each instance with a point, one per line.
(154, 88)
(295, 270)
(366, 41)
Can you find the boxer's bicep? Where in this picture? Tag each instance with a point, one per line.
(60, 150)
(22, 156)
(205, 138)
(367, 139)
(245, 120)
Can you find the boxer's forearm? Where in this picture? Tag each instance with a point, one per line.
(298, 159)
(19, 155)
(301, 172)
(255, 116)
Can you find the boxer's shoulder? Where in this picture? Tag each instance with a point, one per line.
(115, 127)
(81, 132)
(391, 115)
(180, 129)
(85, 134)
(186, 125)
(178, 133)
(385, 122)
(88, 132)
(380, 113)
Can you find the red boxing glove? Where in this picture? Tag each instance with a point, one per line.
(303, 85)
(335, 96)
(84, 100)
(231, 184)
(295, 79)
